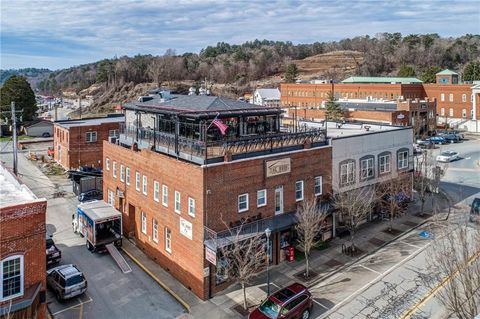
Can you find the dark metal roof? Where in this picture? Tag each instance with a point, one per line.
(200, 106)
(378, 106)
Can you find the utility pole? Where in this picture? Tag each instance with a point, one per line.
(80, 105)
(14, 124)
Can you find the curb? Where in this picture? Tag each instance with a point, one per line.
(334, 272)
(163, 285)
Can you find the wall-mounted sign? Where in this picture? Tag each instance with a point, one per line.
(186, 228)
(278, 167)
(211, 255)
(400, 116)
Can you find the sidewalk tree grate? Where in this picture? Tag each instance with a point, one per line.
(393, 231)
(377, 242)
(333, 263)
(409, 223)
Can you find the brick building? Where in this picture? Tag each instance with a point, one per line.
(181, 184)
(22, 250)
(456, 104)
(79, 142)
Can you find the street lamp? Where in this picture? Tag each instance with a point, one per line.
(267, 233)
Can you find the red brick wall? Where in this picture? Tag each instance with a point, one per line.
(76, 151)
(226, 181)
(22, 229)
(436, 90)
(186, 261)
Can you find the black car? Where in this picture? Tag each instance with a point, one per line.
(90, 195)
(53, 253)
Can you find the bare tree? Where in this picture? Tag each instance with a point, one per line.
(244, 255)
(389, 193)
(309, 218)
(428, 173)
(453, 259)
(353, 207)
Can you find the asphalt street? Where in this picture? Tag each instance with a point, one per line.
(110, 294)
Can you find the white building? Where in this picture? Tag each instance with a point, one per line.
(267, 97)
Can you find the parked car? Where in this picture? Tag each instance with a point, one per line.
(66, 281)
(451, 138)
(90, 195)
(457, 133)
(437, 140)
(53, 253)
(425, 143)
(475, 211)
(447, 156)
(294, 301)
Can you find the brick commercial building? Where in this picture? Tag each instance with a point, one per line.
(186, 169)
(456, 104)
(79, 142)
(22, 250)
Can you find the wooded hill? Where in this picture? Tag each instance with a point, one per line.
(234, 69)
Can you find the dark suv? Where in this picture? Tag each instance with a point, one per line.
(53, 253)
(294, 301)
(66, 281)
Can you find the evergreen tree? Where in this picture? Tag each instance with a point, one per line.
(333, 110)
(471, 72)
(429, 74)
(17, 89)
(406, 71)
(291, 73)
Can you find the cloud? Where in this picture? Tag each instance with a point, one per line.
(56, 33)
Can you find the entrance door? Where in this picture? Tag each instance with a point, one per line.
(131, 219)
(279, 200)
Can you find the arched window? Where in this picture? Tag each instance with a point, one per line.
(11, 276)
(367, 167)
(384, 163)
(402, 159)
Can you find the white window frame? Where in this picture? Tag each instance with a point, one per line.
(137, 181)
(111, 197)
(114, 169)
(144, 184)
(164, 195)
(122, 173)
(22, 278)
(113, 133)
(442, 111)
(402, 162)
(464, 113)
(156, 191)
(178, 202)
(107, 163)
(366, 169)
(318, 180)
(91, 137)
(191, 207)
(262, 194)
(301, 183)
(450, 112)
(464, 97)
(442, 97)
(384, 164)
(155, 230)
(144, 222)
(241, 210)
(168, 240)
(450, 97)
(347, 170)
(127, 175)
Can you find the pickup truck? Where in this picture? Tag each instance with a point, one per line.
(53, 253)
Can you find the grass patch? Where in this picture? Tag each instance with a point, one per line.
(321, 245)
(10, 138)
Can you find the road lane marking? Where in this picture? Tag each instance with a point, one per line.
(318, 303)
(373, 281)
(409, 313)
(370, 269)
(74, 306)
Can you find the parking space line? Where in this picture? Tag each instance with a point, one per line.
(318, 303)
(370, 269)
(74, 306)
(409, 244)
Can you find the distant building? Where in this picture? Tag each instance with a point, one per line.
(22, 250)
(39, 128)
(447, 77)
(80, 142)
(267, 97)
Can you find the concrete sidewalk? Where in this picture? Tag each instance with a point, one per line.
(327, 262)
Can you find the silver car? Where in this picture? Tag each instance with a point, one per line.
(66, 281)
(447, 156)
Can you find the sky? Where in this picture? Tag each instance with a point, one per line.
(60, 34)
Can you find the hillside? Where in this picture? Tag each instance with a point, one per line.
(234, 69)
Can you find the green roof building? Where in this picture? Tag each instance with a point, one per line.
(381, 80)
(447, 77)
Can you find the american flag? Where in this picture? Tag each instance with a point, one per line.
(220, 125)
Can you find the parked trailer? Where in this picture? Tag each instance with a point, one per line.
(99, 223)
